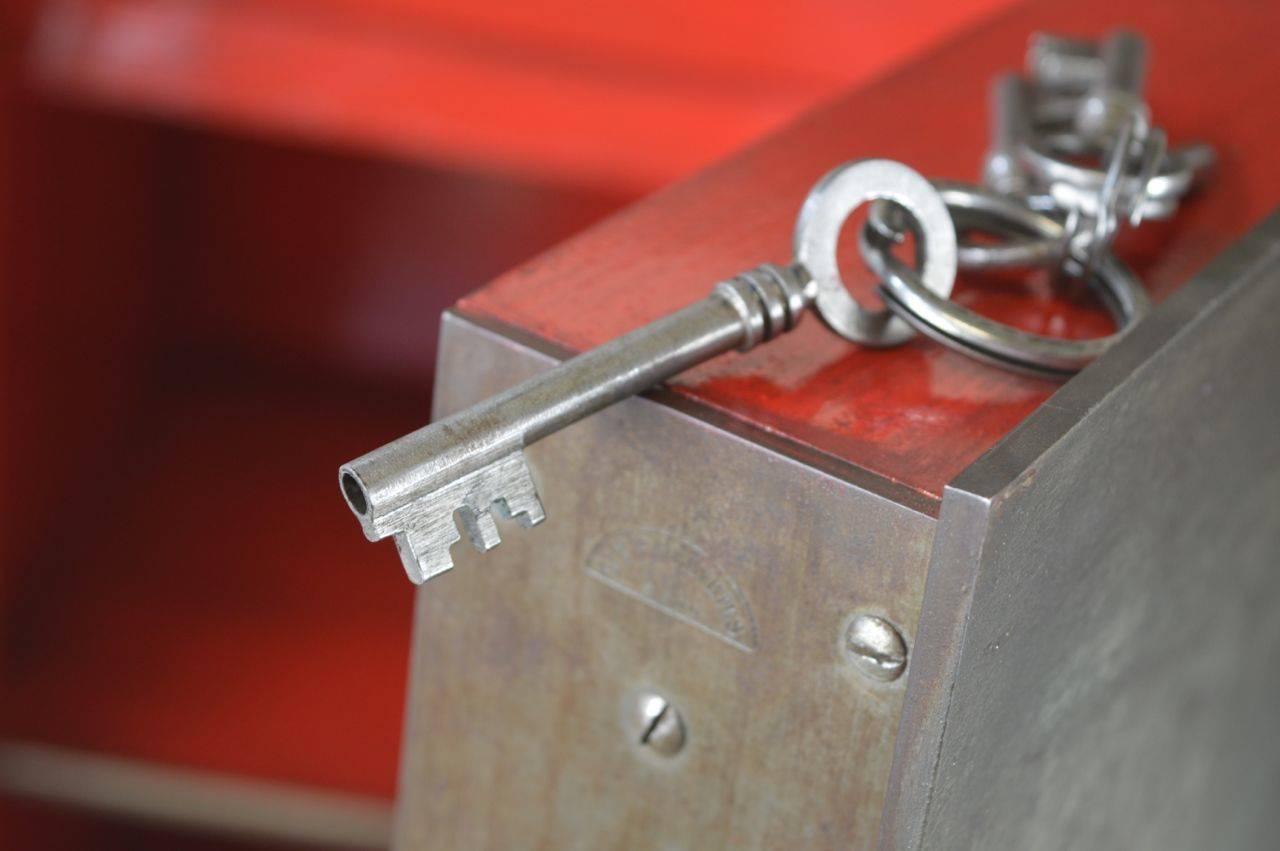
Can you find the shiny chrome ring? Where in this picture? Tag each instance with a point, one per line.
(817, 233)
(986, 339)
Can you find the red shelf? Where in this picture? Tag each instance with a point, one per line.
(620, 96)
(180, 582)
(214, 607)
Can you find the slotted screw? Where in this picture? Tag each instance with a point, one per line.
(656, 725)
(875, 648)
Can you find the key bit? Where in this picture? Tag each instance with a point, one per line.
(429, 524)
(1062, 63)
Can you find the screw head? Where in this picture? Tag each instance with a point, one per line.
(655, 725)
(875, 648)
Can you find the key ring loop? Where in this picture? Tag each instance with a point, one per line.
(817, 234)
(1047, 165)
(986, 339)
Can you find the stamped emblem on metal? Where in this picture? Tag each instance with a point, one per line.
(677, 577)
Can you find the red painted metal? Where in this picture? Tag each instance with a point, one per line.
(920, 413)
(622, 96)
(175, 300)
(343, 262)
(193, 617)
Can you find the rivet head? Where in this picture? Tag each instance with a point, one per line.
(875, 648)
(655, 725)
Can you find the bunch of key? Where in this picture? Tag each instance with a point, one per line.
(1081, 101)
(1074, 158)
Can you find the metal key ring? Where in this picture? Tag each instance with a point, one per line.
(1047, 165)
(986, 339)
(817, 234)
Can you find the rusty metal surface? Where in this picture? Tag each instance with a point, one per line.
(713, 570)
(1096, 664)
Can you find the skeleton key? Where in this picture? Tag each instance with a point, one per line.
(473, 462)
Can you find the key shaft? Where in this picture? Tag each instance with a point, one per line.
(1010, 128)
(389, 486)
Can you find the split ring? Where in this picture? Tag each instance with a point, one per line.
(1174, 179)
(986, 339)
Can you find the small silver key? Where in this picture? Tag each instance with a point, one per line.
(459, 470)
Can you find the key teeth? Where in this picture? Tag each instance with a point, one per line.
(525, 510)
(433, 525)
(480, 527)
(426, 559)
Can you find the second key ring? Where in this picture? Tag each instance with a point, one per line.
(978, 336)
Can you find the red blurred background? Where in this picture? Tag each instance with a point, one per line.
(228, 228)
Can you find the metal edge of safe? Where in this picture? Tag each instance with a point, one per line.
(970, 537)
